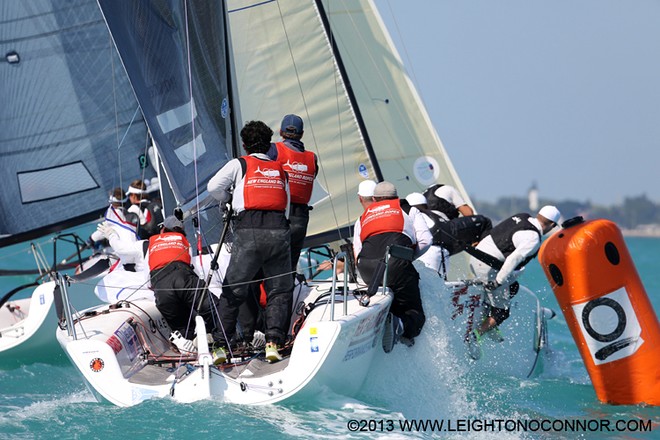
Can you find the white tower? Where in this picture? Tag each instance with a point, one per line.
(533, 197)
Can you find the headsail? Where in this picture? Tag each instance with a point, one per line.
(333, 63)
(175, 55)
(71, 128)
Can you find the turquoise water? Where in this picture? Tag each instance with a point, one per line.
(50, 401)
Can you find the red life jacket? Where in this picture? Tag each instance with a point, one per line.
(167, 247)
(264, 185)
(380, 217)
(301, 168)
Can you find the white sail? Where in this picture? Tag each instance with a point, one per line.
(364, 97)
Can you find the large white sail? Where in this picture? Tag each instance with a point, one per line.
(351, 88)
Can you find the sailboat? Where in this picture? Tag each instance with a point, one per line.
(196, 68)
(72, 131)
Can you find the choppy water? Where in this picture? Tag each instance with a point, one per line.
(425, 383)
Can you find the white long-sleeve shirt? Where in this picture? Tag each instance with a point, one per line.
(222, 184)
(526, 242)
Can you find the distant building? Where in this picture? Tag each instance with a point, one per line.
(533, 197)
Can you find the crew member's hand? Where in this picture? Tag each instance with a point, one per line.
(106, 229)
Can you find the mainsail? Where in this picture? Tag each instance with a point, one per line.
(71, 127)
(333, 63)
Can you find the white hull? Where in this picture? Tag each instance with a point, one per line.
(333, 353)
(27, 326)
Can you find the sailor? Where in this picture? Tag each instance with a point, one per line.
(149, 213)
(123, 223)
(512, 243)
(129, 278)
(435, 258)
(383, 224)
(447, 200)
(301, 167)
(258, 188)
(176, 286)
(459, 226)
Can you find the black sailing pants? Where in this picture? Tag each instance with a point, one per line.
(177, 289)
(298, 220)
(254, 249)
(402, 278)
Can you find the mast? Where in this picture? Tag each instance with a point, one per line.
(349, 91)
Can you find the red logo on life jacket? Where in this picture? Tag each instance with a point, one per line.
(301, 168)
(264, 186)
(380, 217)
(167, 247)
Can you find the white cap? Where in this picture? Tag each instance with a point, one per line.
(416, 199)
(551, 213)
(134, 190)
(366, 188)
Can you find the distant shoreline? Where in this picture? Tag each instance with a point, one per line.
(652, 231)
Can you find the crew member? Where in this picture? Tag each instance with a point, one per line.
(176, 286)
(435, 258)
(124, 224)
(447, 200)
(301, 167)
(149, 213)
(459, 226)
(513, 243)
(258, 188)
(383, 224)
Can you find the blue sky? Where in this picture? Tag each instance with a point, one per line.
(564, 93)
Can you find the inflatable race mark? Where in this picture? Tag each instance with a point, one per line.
(607, 310)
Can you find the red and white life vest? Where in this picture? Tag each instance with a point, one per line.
(264, 185)
(167, 247)
(380, 217)
(301, 168)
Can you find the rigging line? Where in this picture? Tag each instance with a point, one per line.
(403, 44)
(114, 102)
(331, 37)
(192, 114)
(309, 120)
(23, 251)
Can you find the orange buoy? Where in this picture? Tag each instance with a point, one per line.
(607, 310)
